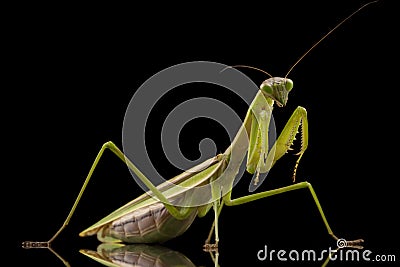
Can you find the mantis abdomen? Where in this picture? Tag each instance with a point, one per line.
(150, 224)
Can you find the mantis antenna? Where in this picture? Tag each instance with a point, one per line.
(327, 34)
(248, 67)
(312, 47)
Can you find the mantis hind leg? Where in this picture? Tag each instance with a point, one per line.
(179, 214)
(245, 199)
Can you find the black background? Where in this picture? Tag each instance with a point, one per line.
(74, 69)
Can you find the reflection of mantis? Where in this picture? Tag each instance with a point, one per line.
(169, 213)
(117, 255)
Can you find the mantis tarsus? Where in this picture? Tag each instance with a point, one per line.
(128, 223)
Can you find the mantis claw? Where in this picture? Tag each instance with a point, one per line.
(357, 244)
(35, 244)
(207, 247)
(343, 243)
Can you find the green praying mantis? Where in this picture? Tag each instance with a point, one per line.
(167, 210)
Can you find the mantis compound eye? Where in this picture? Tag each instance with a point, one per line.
(288, 84)
(266, 88)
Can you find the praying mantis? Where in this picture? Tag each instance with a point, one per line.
(165, 212)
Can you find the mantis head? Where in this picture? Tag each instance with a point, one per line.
(277, 89)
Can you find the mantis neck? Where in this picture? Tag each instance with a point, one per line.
(240, 145)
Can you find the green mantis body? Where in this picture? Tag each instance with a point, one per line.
(155, 217)
(146, 220)
(165, 211)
